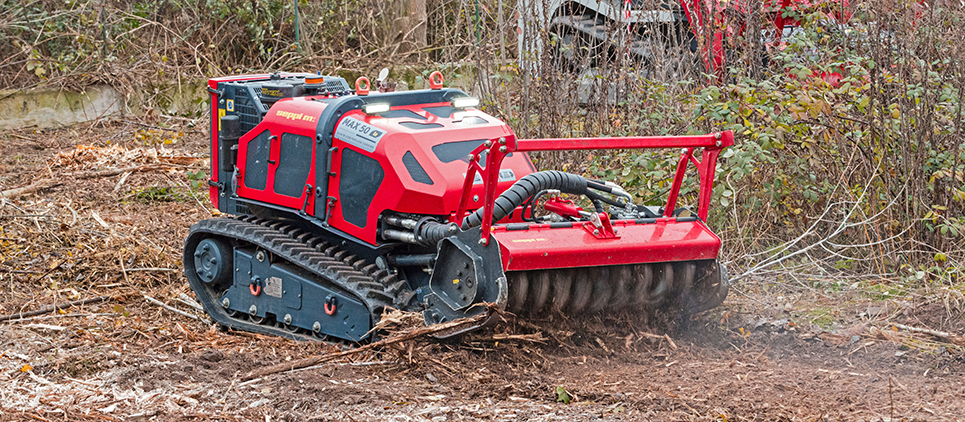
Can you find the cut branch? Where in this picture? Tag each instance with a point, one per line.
(53, 308)
(947, 337)
(171, 308)
(41, 184)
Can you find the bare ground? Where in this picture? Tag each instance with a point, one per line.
(772, 352)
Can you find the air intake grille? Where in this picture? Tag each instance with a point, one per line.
(336, 85)
(247, 113)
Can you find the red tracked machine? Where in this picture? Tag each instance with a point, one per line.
(347, 202)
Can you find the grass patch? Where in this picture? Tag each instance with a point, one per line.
(156, 194)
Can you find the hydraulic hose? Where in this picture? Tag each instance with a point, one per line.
(425, 231)
(431, 232)
(526, 187)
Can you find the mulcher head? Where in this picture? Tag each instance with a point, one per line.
(634, 257)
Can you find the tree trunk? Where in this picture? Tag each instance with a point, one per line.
(412, 32)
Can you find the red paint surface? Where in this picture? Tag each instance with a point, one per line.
(541, 247)
(213, 84)
(398, 191)
(277, 124)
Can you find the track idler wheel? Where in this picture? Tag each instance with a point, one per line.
(213, 261)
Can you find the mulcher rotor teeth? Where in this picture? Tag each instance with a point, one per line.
(518, 291)
(687, 287)
(562, 285)
(539, 290)
(582, 289)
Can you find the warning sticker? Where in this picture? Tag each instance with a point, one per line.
(505, 175)
(273, 287)
(358, 133)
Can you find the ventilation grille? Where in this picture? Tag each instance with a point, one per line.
(336, 85)
(247, 113)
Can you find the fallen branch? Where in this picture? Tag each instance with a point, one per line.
(535, 337)
(60, 316)
(114, 172)
(4, 270)
(52, 269)
(948, 337)
(403, 336)
(36, 186)
(160, 128)
(171, 308)
(130, 270)
(187, 300)
(45, 327)
(39, 185)
(53, 308)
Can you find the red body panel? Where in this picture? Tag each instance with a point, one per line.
(297, 116)
(398, 191)
(542, 247)
(213, 190)
(216, 109)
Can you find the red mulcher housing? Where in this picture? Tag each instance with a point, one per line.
(347, 202)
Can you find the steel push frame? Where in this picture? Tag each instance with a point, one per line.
(497, 149)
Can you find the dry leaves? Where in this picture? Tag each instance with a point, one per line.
(93, 157)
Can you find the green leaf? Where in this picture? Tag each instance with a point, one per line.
(562, 396)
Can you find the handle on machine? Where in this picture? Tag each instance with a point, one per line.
(362, 86)
(271, 143)
(331, 305)
(435, 80)
(255, 286)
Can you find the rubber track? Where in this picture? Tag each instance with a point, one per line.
(376, 288)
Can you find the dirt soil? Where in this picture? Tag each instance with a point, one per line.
(772, 352)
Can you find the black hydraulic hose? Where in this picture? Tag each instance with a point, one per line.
(598, 206)
(531, 204)
(595, 184)
(595, 197)
(430, 232)
(525, 188)
(424, 260)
